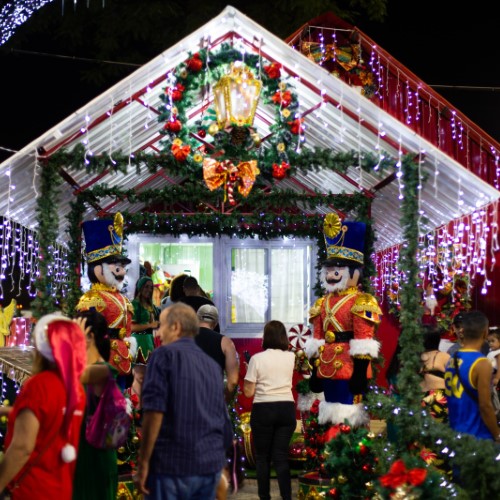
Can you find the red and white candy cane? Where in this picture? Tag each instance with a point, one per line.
(231, 181)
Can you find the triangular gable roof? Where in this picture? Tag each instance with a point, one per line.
(337, 116)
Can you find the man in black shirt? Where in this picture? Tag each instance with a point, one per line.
(217, 346)
(221, 349)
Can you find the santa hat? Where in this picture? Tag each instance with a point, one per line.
(61, 341)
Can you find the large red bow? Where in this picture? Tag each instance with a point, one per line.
(399, 475)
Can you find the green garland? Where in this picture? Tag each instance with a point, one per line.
(74, 253)
(48, 224)
(413, 425)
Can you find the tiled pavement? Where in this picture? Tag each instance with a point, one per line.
(248, 490)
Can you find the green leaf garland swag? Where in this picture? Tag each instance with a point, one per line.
(416, 430)
(48, 224)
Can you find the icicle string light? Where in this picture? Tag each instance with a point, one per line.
(464, 247)
(19, 249)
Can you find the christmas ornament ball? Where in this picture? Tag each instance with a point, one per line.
(213, 128)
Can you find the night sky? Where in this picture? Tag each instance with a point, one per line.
(449, 46)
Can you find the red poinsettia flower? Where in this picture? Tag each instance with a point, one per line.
(177, 92)
(181, 152)
(282, 98)
(135, 399)
(296, 126)
(173, 126)
(194, 63)
(428, 456)
(273, 70)
(399, 475)
(279, 171)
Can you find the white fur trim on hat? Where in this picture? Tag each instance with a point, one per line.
(363, 347)
(311, 347)
(336, 413)
(40, 333)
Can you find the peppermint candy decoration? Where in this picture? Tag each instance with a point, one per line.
(298, 335)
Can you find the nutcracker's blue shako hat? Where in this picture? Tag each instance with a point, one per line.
(345, 242)
(103, 240)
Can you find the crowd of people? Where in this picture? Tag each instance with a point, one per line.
(181, 391)
(182, 376)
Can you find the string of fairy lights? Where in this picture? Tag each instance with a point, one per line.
(19, 261)
(14, 14)
(465, 247)
(381, 79)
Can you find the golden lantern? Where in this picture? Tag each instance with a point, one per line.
(236, 96)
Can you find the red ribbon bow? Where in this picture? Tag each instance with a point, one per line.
(399, 475)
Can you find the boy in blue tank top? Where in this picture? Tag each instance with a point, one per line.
(468, 382)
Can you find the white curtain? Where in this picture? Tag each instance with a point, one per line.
(287, 285)
(249, 285)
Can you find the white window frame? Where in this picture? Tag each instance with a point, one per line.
(222, 247)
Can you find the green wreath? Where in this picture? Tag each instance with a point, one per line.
(190, 143)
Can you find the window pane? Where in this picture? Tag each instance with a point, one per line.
(287, 285)
(195, 259)
(249, 285)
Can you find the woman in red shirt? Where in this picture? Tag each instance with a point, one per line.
(44, 423)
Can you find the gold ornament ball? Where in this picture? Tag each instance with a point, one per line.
(342, 479)
(121, 449)
(369, 485)
(135, 439)
(213, 129)
(257, 140)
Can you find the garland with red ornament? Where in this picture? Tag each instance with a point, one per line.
(231, 158)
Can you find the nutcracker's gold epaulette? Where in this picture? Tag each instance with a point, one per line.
(130, 307)
(316, 308)
(366, 307)
(89, 300)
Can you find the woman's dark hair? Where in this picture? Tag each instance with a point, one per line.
(275, 336)
(99, 327)
(177, 287)
(432, 337)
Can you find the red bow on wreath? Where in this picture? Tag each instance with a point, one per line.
(180, 152)
(226, 174)
(399, 475)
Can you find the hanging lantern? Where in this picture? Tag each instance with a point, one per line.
(236, 97)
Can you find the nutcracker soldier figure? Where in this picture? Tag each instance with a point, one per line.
(344, 324)
(106, 269)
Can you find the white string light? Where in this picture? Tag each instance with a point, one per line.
(20, 250)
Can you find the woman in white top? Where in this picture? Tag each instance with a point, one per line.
(269, 382)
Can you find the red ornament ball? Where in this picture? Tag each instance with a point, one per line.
(333, 493)
(345, 429)
(366, 468)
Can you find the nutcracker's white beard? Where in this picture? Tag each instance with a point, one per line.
(336, 287)
(110, 278)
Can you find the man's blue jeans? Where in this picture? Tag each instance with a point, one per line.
(164, 487)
